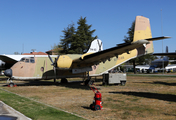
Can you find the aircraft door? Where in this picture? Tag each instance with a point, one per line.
(40, 67)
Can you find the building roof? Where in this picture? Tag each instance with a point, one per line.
(35, 53)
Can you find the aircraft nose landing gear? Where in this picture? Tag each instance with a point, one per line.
(11, 84)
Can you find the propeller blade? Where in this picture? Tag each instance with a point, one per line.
(57, 58)
(55, 72)
(51, 59)
(55, 62)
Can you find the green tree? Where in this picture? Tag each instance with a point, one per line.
(56, 49)
(146, 59)
(77, 41)
(130, 33)
(84, 36)
(68, 38)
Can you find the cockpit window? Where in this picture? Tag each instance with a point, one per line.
(28, 60)
(32, 60)
(22, 59)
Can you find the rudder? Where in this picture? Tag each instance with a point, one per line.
(96, 45)
(143, 31)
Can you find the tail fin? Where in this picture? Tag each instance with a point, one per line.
(143, 31)
(167, 49)
(166, 57)
(96, 45)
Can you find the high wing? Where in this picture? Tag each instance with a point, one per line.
(171, 55)
(9, 60)
(104, 55)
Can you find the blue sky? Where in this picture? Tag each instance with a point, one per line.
(38, 24)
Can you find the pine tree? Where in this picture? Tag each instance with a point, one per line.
(77, 41)
(84, 36)
(130, 33)
(68, 38)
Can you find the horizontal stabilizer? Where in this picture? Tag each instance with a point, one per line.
(158, 38)
(172, 55)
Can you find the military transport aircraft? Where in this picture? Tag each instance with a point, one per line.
(170, 55)
(156, 64)
(93, 63)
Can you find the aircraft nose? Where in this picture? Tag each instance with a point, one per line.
(8, 73)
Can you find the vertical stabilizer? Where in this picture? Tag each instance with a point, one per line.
(167, 49)
(143, 31)
(166, 57)
(96, 45)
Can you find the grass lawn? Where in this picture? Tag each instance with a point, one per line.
(34, 110)
(142, 98)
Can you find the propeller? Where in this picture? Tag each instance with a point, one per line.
(54, 64)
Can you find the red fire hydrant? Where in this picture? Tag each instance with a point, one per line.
(97, 103)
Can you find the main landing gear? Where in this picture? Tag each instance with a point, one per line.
(88, 81)
(64, 80)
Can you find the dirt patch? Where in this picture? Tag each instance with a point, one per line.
(141, 98)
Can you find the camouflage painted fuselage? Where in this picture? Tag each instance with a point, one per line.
(66, 67)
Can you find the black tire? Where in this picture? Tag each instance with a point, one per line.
(97, 107)
(91, 82)
(11, 84)
(86, 82)
(64, 80)
(123, 83)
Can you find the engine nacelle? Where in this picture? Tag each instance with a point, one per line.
(64, 62)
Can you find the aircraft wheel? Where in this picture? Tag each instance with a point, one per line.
(11, 84)
(64, 80)
(97, 107)
(54, 80)
(89, 82)
(86, 82)
(123, 83)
